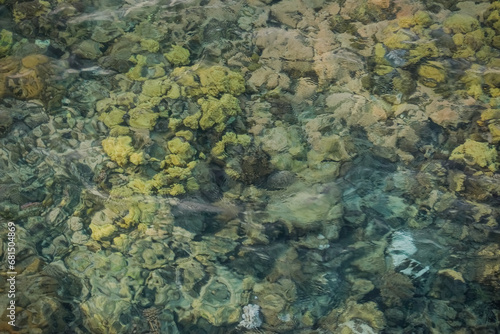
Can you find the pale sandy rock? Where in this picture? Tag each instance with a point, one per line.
(407, 7)
(288, 44)
(289, 47)
(445, 117)
(324, 40)
(304, 89)
(410, 111)
(382, 135)
(298, 14)
(349, 107)
(332, 8)
(289, 12)
(262, 17)
(319, 124)
(447, 114)
(307, 207)
(472, 9)
(349, 7)
(276, 140)
(327, 148)
(408, 134)
(378, 112)
(268, 78)
(338, 66)
(245, 23)
(239, 60)
(371, 29)
(260, 116)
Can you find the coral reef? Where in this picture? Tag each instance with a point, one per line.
(303, 166)
(178, 56)
(474, 153)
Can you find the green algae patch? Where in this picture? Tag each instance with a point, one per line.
(150, 45)
(143, 70)
(217, 80)
(459, 23)
(112, 118)
(216, 112)
(102, 232)
(178, 56)
(208, 81)
(181, 152)
(6, 41)
(432, 73)
(230, 138)
(474, 153)
(142, 118)
(191, 121)
(118, 149)
(213, 88)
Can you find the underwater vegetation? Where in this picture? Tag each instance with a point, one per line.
(264, 166)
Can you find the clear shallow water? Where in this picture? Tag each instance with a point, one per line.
(231, 167)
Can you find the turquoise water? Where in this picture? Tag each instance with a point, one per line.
(249, 166)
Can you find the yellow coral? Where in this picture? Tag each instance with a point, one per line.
(424, 50)
(174, 91)
(175, 160)
(177, 189)
(132, 218)
(150, 45)
(212, 81)
(475, 153)
(230, 138)
(155, 87)
(141, 186)
(112, 118)
(178, 56)
(100, 232)
(191, 121)
(30, 9)
(459, 23)
(488, 115)
(178, 172)
(233, 174)
(217, 80)
(406, 22)
(137, 158)
(184, 76)
(136, 72)
(118, 130)
(188, 135)
(121, 192)
(142, 118)
(25, 84)
(422, 18)
(181, 148)
(174, 123)
(216, 112)
(120, 241)
(432, 73)
(398, 40)
(118, 148)
(495, 133)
